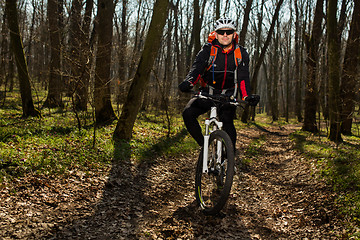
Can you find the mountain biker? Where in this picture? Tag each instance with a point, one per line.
(218, 78)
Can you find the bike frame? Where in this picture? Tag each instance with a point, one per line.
(217, 125)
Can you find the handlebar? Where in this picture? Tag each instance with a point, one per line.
(220, 98)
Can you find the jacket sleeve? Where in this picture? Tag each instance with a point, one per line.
(199, 65)
(244, 75)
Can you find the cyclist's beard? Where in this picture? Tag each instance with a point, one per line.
(224, 46)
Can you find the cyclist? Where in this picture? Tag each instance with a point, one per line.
(223, 76)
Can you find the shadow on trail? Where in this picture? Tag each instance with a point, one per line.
(127, 202)
(162, 145)
(115, 215)
(267, 131)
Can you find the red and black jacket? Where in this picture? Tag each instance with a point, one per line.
(220, 76)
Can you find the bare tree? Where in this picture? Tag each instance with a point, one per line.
(168, 65)
(138, 40)
(296, 73)
(288, 48)
(245, 23)
(122, 32)
(74, 54)
(196, 29)
(334, 71)
(134, 99)
(3, 50)
(245, 115)
(180, 56)
(86, 59)
(18, 51)
(104, 111)
(55, 85)
(350, 71)
(275, 75)
(217, 9)
(312, 46)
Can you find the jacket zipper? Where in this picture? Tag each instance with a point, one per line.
(223, 83)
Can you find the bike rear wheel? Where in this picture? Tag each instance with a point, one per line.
(212, 189)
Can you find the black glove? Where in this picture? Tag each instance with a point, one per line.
(252, 100)
(185, 86)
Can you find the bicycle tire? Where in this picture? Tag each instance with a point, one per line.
(210, 195)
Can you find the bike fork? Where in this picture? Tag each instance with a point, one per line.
(206, 147)
(206, 153)
(206, 140)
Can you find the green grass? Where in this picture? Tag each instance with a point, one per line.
(151, 138)
(254, 149)
(338, 165)
(49, 145)
(54, 145)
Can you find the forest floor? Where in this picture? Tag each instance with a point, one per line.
(275, 195)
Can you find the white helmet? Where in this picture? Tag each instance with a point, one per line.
(225, 22)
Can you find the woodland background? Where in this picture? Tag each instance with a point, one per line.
(77, 75)
(109, 54)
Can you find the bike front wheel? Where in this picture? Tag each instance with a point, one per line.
(212, 189)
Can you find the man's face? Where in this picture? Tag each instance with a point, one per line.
(225, 36)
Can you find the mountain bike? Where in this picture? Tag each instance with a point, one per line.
(215, 166)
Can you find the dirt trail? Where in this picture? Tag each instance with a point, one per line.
(275, 196)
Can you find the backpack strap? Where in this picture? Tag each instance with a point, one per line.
(238, 59)
(237, 55)
(213, 54)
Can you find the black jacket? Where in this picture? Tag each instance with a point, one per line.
(221, 76)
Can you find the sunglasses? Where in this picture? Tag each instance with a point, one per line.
(228, 32)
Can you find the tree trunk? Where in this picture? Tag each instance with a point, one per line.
(3, 50)
(312, 57)
(28, 55)
(104, 112)
(288, 60)
(196, 28)
(334, 72)
(297, 66)
(245, 114)
(245, 24)
(122, 54)
(41, 67)
(74, 55)
(55, 86)
(10, 76)
(275, 77)
(350, 72)
(18, 51)
(168, 67)
(81, 94)
(342, 19)
(272, 79)
(180, 63)
(138, 42)
(217, 9)
(134, 99)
